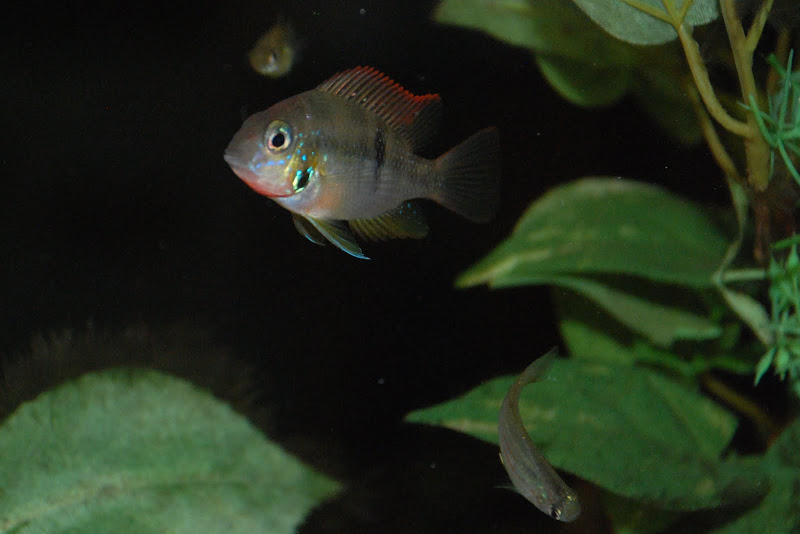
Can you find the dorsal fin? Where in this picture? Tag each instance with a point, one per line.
(406, 220)
(413, 117)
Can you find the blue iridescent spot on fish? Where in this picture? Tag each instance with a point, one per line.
(357, 172)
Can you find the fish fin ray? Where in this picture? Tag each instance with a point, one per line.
(337, 233)
(307, 230)
(415, 118)
(403, 221)
(471, 176)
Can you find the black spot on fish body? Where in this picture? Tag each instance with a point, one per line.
(379, 144)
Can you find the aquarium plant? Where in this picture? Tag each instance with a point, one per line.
(662, 308)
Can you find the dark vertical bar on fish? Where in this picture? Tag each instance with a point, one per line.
(530, 472)
(379, 143)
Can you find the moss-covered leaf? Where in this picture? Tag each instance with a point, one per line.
(606, 225)
(139, 451)
(638, 25)
(628, 429)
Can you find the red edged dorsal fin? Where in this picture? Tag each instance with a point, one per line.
(413, 117)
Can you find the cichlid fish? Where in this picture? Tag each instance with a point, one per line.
(276, 51)
(530, 472)
(341, 158)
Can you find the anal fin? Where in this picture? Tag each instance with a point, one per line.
(406, 220)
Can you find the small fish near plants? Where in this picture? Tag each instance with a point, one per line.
(666, 317)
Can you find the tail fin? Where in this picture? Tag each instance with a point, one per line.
(471, 176)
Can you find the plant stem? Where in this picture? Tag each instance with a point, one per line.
(713, 141)
(703, 83)
(687, 4)
(782, 53)
(758, 26)
(756, 148)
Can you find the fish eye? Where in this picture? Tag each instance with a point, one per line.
(278, 136)
(555, 511)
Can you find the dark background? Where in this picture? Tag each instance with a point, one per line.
(116, 207)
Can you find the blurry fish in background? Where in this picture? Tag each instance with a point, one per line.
(276, 51)
(341, 158)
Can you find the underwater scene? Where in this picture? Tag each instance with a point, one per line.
(436, 266)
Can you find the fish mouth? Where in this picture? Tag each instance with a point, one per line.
(256, 182)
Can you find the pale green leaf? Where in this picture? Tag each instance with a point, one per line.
(606, 225)
(627, 429)
(636, 26)
(139, 451)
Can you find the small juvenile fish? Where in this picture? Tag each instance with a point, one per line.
(530, 472)
(276, 51)
(341, 158)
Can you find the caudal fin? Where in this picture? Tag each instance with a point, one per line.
(471, 176)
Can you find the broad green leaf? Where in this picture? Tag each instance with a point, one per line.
(596, 337)
(584, 63)
(660, 92)
(779, 511)
(632, 517)
(635, 25)
(661, 324)
(586, 342)
(606, 225)
(552, 27)
(583, 86)
(592, 337)
(627, 429)
(139, 451)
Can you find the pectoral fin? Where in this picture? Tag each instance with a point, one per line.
(406, 220)
(337, 233)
